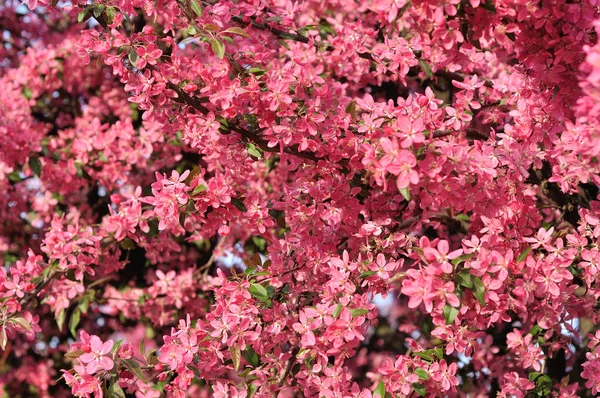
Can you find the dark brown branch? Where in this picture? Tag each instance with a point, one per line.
(283, 34)
(471, 133)
(407, 223)
(30, 296)
(288, 366)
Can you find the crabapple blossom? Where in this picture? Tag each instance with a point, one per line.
(281, 198)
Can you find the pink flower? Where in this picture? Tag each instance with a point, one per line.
(99, 356)
(442, 256)
(542, 238)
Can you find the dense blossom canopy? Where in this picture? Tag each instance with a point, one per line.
(281, 198)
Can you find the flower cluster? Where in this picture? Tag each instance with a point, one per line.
(278, 198)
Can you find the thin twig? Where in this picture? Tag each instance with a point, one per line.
(5, 355)
(38, 289)
(288, 367)
(211, 260)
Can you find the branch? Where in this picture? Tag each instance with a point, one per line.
(407, 223)
(27, 299)
(288, 367)
(471, 133)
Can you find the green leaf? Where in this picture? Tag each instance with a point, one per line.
(27, 93)
(479, 290)
(260, 243)
(98, 9)
(461, 258)
(199, 189)
(117, 346)
(420, 389)
(257, 71)
(535, 330)
(237, 31)
(254, 151)
(196, 8)
(450, 313)
(239, 204)
(351, 109)
(15, 176)
(80, 171)
(133, 57)
(134, 368)
(251, 357)
(270, 291)
(110, 13)
(367, 274)
(426, 355)
(258, 291)
(533, 375)
(438, 352)
(142, 346)
(74, 321)
(405, 193)
(423, 375)
(127, 244)
(83, 305)
(380, 390)
(81, 16)
(465, 279)
(218, 48)
(60, 319)
(284, 44)
(358, 312)
(114, 391)
(337, 310)
(543, 384)
(21, 322)
(252, 388)
(523, 255)
(426, 68)
(463, 217)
